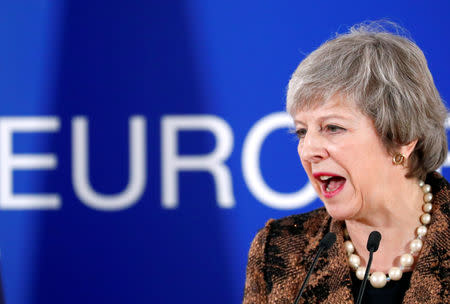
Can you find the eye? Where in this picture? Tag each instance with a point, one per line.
(300, 133)
(334, 129)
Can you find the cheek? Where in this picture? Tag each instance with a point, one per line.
(375, 161)
(365, 173)
(355, 163)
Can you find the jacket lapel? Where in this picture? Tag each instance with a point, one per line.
(331, 279)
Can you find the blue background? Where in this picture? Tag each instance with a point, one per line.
(109, 60)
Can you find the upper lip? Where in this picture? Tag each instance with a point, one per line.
(317, 175)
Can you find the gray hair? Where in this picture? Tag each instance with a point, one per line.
(387, 75)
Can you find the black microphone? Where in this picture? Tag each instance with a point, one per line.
(372, 245)
(325, 244)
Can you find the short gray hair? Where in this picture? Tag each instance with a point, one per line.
(387, 75)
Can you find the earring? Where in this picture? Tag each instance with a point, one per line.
(398, 159)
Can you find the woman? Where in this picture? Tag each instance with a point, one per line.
(370, 124)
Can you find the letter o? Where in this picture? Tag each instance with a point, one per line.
(252, 172)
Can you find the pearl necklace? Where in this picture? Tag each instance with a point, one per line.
(379, 279)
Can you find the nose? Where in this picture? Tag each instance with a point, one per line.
(312, 148)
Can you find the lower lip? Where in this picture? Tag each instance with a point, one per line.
(332, 193)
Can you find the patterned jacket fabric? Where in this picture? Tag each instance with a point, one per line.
(282, 252)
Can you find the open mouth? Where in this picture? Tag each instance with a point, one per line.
(331, 184)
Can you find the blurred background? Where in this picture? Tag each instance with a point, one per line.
(143, 143)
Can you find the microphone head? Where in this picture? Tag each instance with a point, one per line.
(374, 241)
(328, 240)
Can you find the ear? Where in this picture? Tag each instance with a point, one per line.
(407, 149)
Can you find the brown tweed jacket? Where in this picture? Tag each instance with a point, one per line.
(282, 252)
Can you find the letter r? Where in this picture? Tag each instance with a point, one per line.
(213, 162)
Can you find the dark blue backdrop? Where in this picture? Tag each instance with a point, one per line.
(227, 63)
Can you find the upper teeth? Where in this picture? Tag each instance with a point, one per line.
(325, 177)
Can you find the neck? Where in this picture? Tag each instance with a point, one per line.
(395, 217)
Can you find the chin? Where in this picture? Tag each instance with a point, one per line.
(339, 213)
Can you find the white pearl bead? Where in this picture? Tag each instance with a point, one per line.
(395, 273)
(349, 247)
(406, 260)
(354, 261)
(427, 197)
(421, 230)
(425, 218)
(360, 272)
(427, 207)
(416, 245)
(421, 183)
(426, 188)
(378, 279)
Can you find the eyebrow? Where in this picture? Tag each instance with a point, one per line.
(325, 117)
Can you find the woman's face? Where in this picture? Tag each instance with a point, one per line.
(344, 158)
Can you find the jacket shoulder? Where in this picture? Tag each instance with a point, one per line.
(281, 245)
(306, 224)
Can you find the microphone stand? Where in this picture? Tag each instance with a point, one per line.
(372, 245)
(366, 276)
(327, 241)
(307, 276)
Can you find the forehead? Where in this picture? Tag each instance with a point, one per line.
(335, 106)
